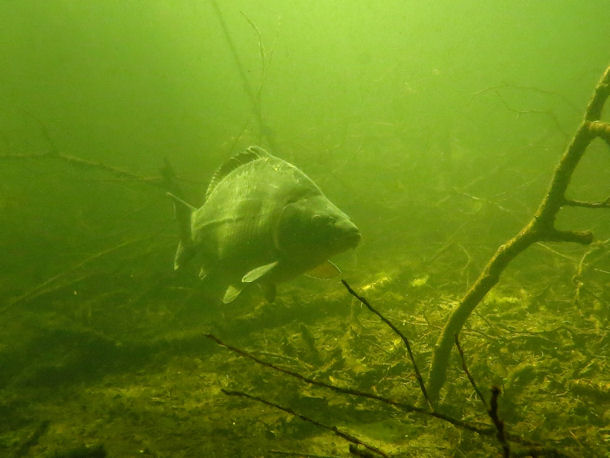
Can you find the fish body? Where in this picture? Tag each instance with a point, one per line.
(264, 221)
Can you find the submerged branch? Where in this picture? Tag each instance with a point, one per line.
(348, 437)
(578, 278)
(54, 282)
(499, 424)
(88, 164)
(363, 300)
(601, 130)
(253, 97)
(480, 429)
(580, 203)
(492, 410)
(400, 405)
(540, 228)
(468, 374)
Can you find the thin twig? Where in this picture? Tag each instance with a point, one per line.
(577, 279)
(468, 374)
(262, 55)
(550, 114)
(254, 100)
(85, 163)
(44, 287)
(527, 88)
(348, 437)
(420, 380)
(338, 389)
(480, 429)
(399, 405)
(555, 252)
(493, 410)
(499, 424)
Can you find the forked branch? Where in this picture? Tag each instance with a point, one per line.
(540, 228)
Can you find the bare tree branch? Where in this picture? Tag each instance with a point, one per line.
(540, 228)
(397, 404)
(580, 203)
(420, 380)
(157, 182)
(348, 437)
(470, 378)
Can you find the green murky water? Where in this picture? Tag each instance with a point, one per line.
(436, 126)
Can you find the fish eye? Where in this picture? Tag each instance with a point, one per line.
(323, 220)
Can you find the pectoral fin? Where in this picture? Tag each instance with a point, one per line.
(258, 272)
(184, 253)
(325, 270)
(231, 294)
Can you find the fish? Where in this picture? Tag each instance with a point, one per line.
(263, 221)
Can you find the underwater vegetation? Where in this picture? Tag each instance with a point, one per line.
(443, 269)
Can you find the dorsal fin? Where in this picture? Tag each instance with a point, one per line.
(252, 153)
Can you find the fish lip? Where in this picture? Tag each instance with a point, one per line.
(353, 237)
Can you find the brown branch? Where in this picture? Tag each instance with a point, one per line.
(480, 429)
(499, 424)
(420, 380)
(338, 389)
(580, 203)
(397, 404)
(348, 437)
(492, 410)
(468, 374)
(540, 228)
(582, 237)
(88, 164)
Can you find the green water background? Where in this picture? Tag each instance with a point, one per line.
(389, 106)
(426, 122)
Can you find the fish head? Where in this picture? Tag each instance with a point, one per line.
(314, 228)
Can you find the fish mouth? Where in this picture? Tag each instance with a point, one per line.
(351, 238)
